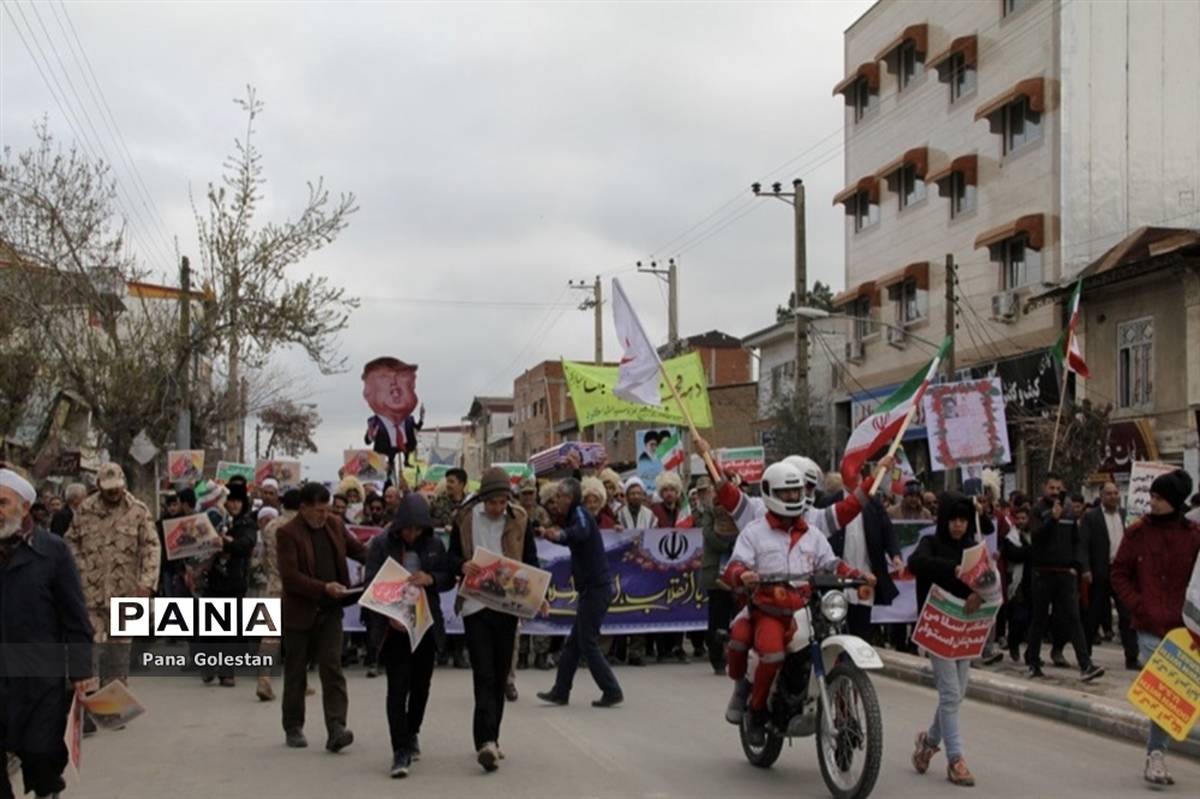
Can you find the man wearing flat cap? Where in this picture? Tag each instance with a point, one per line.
(390, 389)
(45, 636)
(116, 547)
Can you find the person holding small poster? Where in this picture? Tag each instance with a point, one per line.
(409, 541)
(936, 561)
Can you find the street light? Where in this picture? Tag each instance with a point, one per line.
(817, 313)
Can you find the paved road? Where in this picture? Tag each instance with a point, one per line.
(668, 741)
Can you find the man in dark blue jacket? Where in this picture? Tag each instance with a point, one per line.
(45, 635)
(593, 586)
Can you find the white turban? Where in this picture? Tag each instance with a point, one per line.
(268, 513)
(19, 485)
(634, 481)
(270, 482)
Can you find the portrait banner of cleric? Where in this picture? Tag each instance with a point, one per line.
(390, 389)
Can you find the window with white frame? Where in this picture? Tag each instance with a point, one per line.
(863, 97)
(912, 187)
(1022, 265)
(911, 64)
(1135, 363)
(962, 77)
(865, 212)
(907, 301)
(962, 195)
(1022, 125)
(860, 309)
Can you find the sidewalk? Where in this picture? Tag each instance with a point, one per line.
(1099, 706)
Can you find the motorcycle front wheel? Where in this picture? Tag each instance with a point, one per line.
(850, 758)
(762, 756)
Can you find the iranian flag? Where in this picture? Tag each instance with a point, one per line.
(1067, 349)
(880, 428)
(670, 452)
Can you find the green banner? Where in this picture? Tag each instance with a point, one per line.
(591, 392)
(227, 470)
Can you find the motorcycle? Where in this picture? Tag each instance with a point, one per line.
(823, 690)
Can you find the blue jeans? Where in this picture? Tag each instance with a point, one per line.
(584, 642)
(1147, 643)
(950, 679)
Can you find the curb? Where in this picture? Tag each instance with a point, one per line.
(1070, 707)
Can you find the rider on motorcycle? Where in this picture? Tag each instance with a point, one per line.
(781, 541)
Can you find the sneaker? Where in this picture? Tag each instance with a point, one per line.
(295, 739)
(923, 753)
(1036, 673)
(489, 757)
(609, 700)
(552, 698)
(510, 692)
(992, 658)
(1156, 769)
(958, 773)
(735, 711)
(401, 762)
(263, 690)
(1092, 672)
(339, 739)
(414, 748)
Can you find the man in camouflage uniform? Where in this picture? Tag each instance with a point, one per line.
(115, 545)
(443, 509)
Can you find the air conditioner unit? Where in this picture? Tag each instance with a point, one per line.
(897, 337)
(1005, 306)
(856, 351)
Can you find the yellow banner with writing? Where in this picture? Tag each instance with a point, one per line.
(591, 391)
(1168, 688)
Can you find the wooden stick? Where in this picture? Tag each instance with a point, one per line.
(713, 472)
(1062, 399)
(912, 411)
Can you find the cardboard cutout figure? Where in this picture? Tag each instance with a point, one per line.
(390, 389)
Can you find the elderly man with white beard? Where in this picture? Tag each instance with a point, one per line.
(45, 636)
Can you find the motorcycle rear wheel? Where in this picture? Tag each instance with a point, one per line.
(858, 734)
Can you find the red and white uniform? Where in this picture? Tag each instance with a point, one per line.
(746, 509)
(773, 545)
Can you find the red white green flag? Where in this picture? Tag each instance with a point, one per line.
(880, 428)
(1067, 349)
(670, 452)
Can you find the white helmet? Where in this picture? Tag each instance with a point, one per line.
(780, 476)
(813, 476)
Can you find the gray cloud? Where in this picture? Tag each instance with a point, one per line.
(497, 151)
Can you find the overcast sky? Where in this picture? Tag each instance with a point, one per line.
(497, 151)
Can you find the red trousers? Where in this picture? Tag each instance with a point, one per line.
(769, 635)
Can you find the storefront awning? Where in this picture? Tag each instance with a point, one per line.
(1032, 89)
(1032, 226)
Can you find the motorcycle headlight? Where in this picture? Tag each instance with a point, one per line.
(834, 607)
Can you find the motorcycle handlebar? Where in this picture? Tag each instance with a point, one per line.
(818, 581)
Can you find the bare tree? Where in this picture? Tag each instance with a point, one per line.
(261, 305)
(291, 427)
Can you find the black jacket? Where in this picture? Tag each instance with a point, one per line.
(1096, 544)
(882, 545)
(1057, 544)
(434, 562)
(45, 635)
(61, 521)
(936, 556)
(229, 573)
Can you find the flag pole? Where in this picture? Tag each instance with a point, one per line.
(891, 453)
(1062, 399)
(687, 415)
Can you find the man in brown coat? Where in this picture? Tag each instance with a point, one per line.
(311, 550)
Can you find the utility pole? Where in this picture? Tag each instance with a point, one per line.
(795, 198)
(671, 275)
(950, 475)
(593, 303)
(183, 425)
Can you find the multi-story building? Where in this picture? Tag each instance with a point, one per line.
(540, 405)
(1001, 147)
(442, 445)
(488, 422)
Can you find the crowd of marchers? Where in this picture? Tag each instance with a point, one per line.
(1072, 573)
